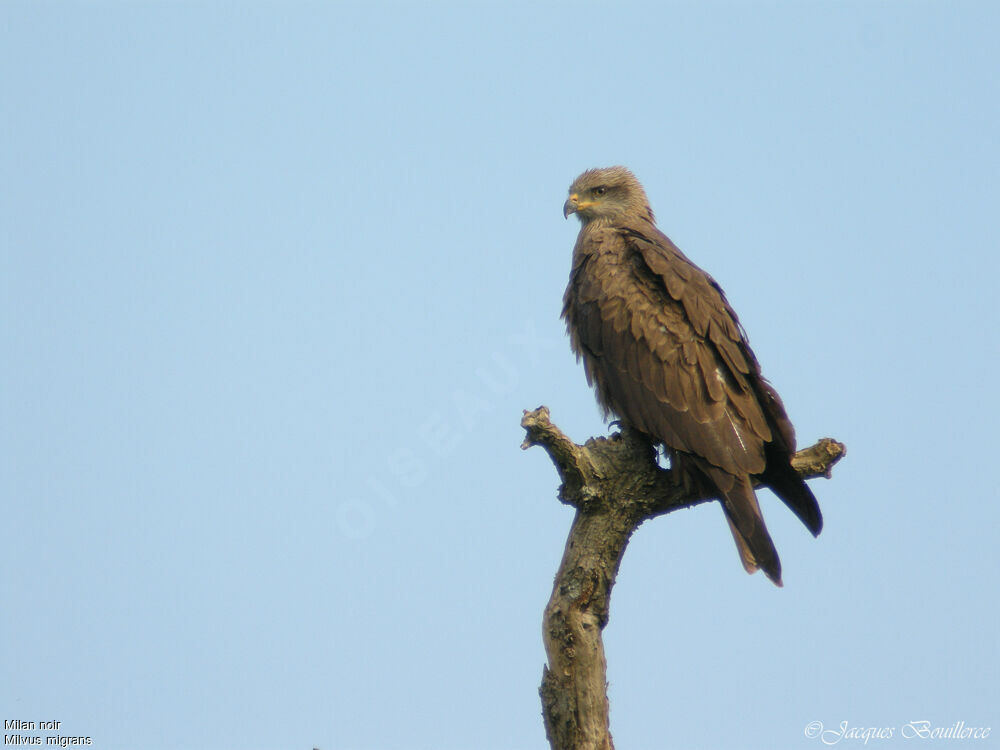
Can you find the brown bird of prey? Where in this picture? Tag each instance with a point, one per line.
(668, 357)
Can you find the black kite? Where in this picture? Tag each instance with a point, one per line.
(668, 357)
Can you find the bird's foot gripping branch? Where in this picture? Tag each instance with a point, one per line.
(615, 484)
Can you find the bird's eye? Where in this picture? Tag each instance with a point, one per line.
(600, 190)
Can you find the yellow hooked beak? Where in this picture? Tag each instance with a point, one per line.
(574, 205)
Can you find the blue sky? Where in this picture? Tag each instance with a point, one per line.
(276, 281)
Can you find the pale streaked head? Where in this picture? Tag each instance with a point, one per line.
(608, 193)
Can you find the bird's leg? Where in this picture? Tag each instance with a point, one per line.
(684, 474)
(639, 439)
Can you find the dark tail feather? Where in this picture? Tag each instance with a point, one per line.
(785, 482)
(747, 524)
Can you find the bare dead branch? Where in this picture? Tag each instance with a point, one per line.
(615, 484)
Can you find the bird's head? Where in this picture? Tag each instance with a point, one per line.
(608, 193)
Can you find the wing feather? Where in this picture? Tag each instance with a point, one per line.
(667, 355)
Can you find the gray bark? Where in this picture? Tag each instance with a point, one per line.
(615, 484)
